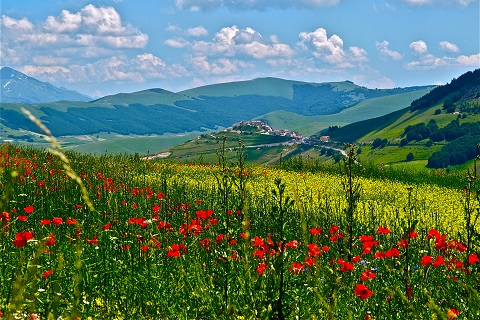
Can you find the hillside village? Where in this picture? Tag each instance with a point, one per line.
(258, 126)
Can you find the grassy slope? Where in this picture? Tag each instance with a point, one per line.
(363, 110)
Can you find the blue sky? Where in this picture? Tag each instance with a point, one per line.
(110, 46)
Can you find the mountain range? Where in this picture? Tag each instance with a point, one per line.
(20, 88)
(157, 111)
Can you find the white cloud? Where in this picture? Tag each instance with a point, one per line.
(176, 42)
(205, 5)
(232, 41)
(419, 47)
(199, 31)
(22, 25)
(330, 49)
(448, 46)
(429, 62)
(382, 47)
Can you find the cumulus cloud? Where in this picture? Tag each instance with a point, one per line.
(448, 46)
(92, 31)
(139, 68)
(199, 31)
(382, 47)
(431, 62)
(176, 42)
(330, 49)
(205, 5)
(419, 47)
(232, 41)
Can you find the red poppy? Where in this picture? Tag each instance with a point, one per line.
(314, 250)
(316, 231)
(94, 240)
(22, 237)
(362, 291)
(412, 234)
(438, 262)
(107, 226)
(383, 230)
(47, 273)
(57, 221)
(393, 252)
(156, 209)
(45, 222)
(219, 238)
(144, 248)
(345, 265)
(71, 221)
(296, 267)
(205, 243)
(22, 218)
(453, 313)
(29, 209)
(333, 229)
(426, 260)
(261, 267)
(5, 217)
(51, 240)
(293, 244)
(367, 274)
(309, 261)
(473, 258)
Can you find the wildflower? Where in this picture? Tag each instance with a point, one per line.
(144, 248)
(383, 230)
(309, 261)
(362, 291)
(22, 218)
(291, 244)
(107, 226)
(261, 267)
(94, 240)
(57, 221)
(473, 258)
(393, 252)
(333, 229)
(345, 265)
(426, 260)
(367, 274)
(296, 268)
(412, 234)
(51, 240)
(45, 222)
(71, 221)
(438, 262)
(316, 231)
(22, 237)
(313, 250)
(46, 274)
(29, 209)
(453, 313)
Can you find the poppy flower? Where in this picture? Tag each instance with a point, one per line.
(383, 230)
(107, 226)
(314, 250)
(22, 218)
(426, 260)
(438, 262)
(367, 274)
(57, 221)
(453, 313)
(29, 209)
(71, 221)
(362, 291)
(296, 267)
(316, 231)
(51, 240)
(46, 274)
(261, 267)
(45, 222)
(473, 258)
(22, 237)
(94, 240)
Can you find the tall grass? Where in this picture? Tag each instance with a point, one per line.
(227, 240)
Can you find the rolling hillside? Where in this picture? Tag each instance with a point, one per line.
(429, 125)
(308, 107)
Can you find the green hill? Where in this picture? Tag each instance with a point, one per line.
(160, 112)
(440, 129)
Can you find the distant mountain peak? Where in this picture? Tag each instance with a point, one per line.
(20, 88)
